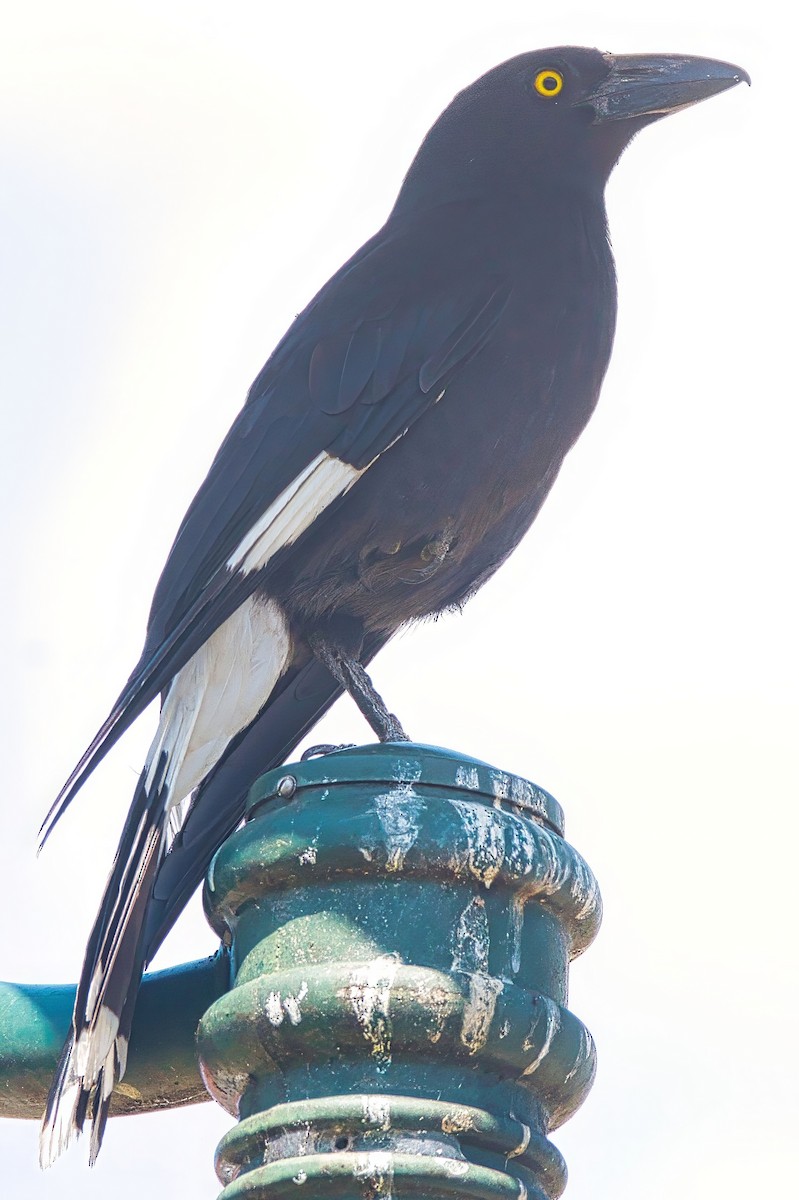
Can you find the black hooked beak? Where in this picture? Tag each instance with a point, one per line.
(652, 85)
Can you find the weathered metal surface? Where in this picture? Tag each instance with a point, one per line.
(162, 1065)
(401, 921)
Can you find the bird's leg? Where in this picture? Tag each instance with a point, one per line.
(347, 671)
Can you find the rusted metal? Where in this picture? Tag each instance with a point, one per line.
(400, 926)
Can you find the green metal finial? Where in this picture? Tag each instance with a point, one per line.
(401, 921)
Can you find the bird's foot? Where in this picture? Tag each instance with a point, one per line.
(325, 748)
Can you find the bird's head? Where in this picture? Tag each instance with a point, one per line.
(562, 115)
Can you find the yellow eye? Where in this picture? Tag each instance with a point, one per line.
(548, 82)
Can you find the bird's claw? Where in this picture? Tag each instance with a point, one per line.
(325, 748)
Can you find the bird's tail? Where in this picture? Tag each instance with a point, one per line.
(211, 700)
(95, 1053)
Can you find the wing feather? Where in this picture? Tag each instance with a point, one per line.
(353, 373)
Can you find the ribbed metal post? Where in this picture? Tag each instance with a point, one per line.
(401, 920)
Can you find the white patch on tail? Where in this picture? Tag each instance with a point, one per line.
(95, 1043)
(57, 1132)
(98, 1049)
(221, 689)
(318, 485)
(218, 693)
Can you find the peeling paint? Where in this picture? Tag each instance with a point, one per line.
(485, 840)
(550, 1014)
(518, 791)
(467, 777)
(515, 927)
(226, 1087)
(538, 862)
(274, 1009)
(530, 850)
(277, 1007)
(292, 1004)
(471, 938)
(291, 1143)
(457, 1121)
(407, 770)
(376, 1168)
(398, 813)
(370, 997)
(525, 793)
(504, 1028)
(377, 1112)
(439, 1006)
(300, 1177)
(457, 1167)
(584, 889)
(500, 785)
(478, 1012)
(308, 855)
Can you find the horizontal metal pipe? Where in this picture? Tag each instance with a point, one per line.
(162, 1064)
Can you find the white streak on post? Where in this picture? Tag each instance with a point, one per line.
(478, 1011)
(398, 813)
(515, 928)
(278, 1007)
(550, 1014)
(471, 938)
(377, 1112)
(375, 1169)
(370, 996)
(484, 834)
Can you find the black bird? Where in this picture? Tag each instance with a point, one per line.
(390, 455)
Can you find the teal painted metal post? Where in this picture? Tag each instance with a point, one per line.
(162, 1063)
(401, 920)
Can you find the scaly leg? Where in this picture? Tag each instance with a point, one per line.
(347, 671)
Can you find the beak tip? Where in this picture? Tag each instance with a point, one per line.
(640, 85)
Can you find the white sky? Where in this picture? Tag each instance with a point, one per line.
(177, 180)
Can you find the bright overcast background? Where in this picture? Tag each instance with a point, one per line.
(177, 180)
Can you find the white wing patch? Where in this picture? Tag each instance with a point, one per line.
(318, 485)
(229, 679)
(221, 689)
(215, 696)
